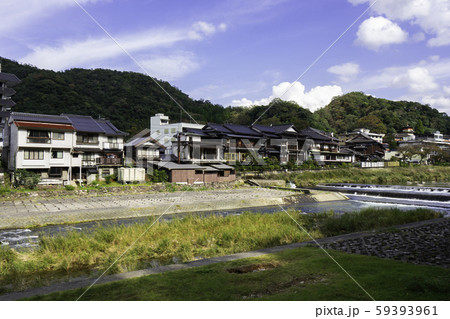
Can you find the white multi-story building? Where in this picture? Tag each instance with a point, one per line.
(63, 148)
(165, 133)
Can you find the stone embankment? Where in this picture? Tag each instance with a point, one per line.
(42, 211)
(424, 243)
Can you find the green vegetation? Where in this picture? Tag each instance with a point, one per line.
(350, 111)
(129, 99)
(392, 176)
(297, 274)
(26, 179)
(183, 239)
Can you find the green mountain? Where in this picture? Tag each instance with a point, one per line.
(128, 99)
(354, 110)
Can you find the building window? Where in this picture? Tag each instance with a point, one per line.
(55, 171)
(87, 139)
(33, 155)
(166, 131)
(173, 130)
(230, 156)
(35, 136)
(112, 139)
(198, 172)
(58, 136)
(88, 156)
(57, 154)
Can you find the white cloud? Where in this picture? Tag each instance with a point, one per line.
(432, 16)
(417, 80)
(418, 37)
(242, 102)
(203, 29)
(346, 71)
(446, 90)
(170, 67)
(91, 52)
(377, 32)
(317, 97)
(16, 14)
(426, 79)
(439, 102)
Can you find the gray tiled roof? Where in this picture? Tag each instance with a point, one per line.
(87, 124)
(31, 117)
(9, 79)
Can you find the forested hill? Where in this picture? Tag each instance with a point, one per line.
(355, 110)
(128, 99)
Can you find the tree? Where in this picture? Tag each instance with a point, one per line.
(390, 139)
(372, 123)
(420, 129)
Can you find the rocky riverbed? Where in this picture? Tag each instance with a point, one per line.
(427, 244)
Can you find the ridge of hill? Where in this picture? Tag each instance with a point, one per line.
(129, 99)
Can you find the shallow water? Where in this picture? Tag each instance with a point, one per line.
(29, 238)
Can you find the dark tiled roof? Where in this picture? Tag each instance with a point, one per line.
(195, 131)
(9, 79)
(31, 117)
(217, 127)
(242, 129)
(276, 129)
(87, 124)
(316, 134)
(361, 138)
(109, 128)
(84, 123)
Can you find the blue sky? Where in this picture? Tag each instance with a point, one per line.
(246, 52)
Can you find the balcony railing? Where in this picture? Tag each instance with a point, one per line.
(88, 163)
(41, 140)
(112, 146)
(81, 142)
(109, 161)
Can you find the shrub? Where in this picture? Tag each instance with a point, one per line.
(110, 178)
(69, 187)
(26, 179)
(159, 176)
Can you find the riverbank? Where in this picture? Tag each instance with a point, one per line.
(381, 176)
(39, 212)
(395, 281)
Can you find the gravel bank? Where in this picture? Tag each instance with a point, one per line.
(41, 211)
(427, 244)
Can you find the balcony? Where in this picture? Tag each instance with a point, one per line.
(112, 146)
(109, 161)
(88, 163)
(148, 158)
(81, 142)
(39, 140)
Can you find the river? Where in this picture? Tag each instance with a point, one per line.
(360, 197)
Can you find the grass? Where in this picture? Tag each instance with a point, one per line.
(76, 254)
(385, 176)
(298, 274)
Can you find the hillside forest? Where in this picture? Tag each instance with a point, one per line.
(129, 99)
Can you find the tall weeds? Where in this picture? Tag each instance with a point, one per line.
(182, 239)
